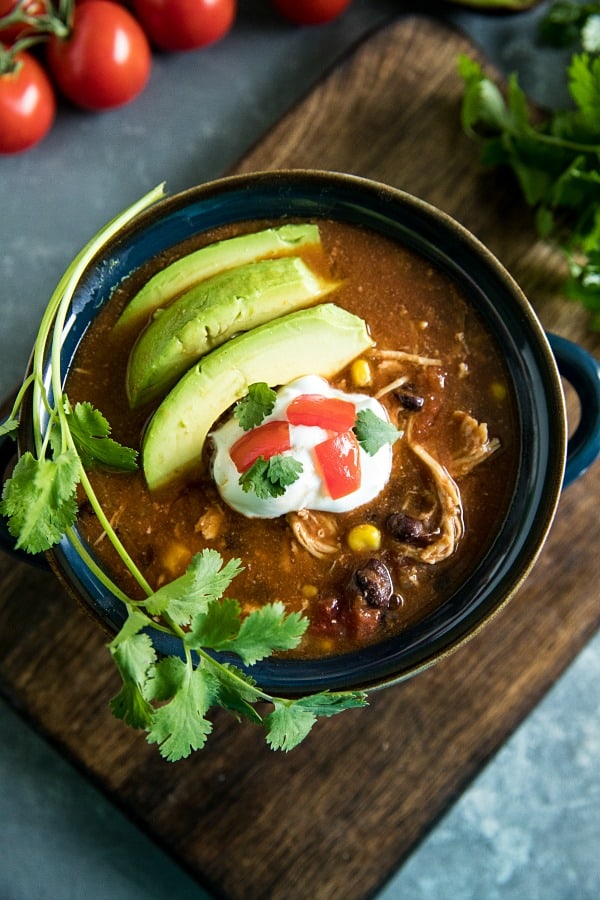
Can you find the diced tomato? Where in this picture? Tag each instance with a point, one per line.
(339, 461)
(330, 413)
(267, 440)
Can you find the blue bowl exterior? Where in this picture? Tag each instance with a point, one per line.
(508, 316)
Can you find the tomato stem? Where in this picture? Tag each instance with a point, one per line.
(37, 28)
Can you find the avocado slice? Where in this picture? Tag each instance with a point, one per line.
(320, 340)
(184, 273)
(212, 312)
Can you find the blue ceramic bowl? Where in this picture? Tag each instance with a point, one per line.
(534, 360)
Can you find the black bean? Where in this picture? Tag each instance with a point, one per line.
(410, 402)
(408, 529)
(375, 584)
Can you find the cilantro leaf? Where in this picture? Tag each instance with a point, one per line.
(39, 500)
(288, 725)
(483, 103)
(373, 433)
(237, 692)
(9, 426)
(555, 162)
(215, 627)
(253, 637)
(180, 725)
(134, 657)
(584, 86)
(270, 478)
(329, 703)
(90, 432)
(268, 629)
(205, 579)
(292, 720)
(255, 406)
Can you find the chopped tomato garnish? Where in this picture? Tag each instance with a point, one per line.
(330, 413)
(339, 461)
(267, 440)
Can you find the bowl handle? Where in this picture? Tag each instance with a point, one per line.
(8, 453)
(582, 371)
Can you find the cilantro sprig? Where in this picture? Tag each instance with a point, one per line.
(168, 697)
(373, 432)
(556, 163)
(271, 477)
(255, 406)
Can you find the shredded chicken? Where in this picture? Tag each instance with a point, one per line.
(210, 523)
(396, 383)
(476, 445)
(403, 356)
(450, 526)
(317, 532)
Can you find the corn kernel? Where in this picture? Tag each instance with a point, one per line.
(361, 373)
(364, 537)
(175, 558)
(498, 391)
(309, 590)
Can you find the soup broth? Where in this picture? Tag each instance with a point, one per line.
(369, 573)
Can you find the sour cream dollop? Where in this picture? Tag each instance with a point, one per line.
(309, 491)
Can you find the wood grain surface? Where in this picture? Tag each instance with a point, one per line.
(337, 816)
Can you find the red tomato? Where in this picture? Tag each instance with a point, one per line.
(27, 104)
(267, 440)
(310, 12)
(30, 8)
(105, 61)
(339, 461)
(185, 24)
(330, 413)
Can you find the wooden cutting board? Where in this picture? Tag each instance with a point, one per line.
(337, 816)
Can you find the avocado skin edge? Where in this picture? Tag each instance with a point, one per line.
(320, 340)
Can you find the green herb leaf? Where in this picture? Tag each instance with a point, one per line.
(329, 703)
(255, 406)
(39, 500)
(270, 478)
(252, 638)
(216, 627)
(483, 103)
(373, 433)
(288, 725)
(584, 86)
(180, 725)
(284, 470)
(205, 579)
(90, 432)
(134, 657)
(237, 692)
(9, 426)
(268, 629)
(292, 720)
(555, 161)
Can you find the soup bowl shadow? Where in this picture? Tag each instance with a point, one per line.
(548, 459)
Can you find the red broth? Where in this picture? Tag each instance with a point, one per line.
(452, 476)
